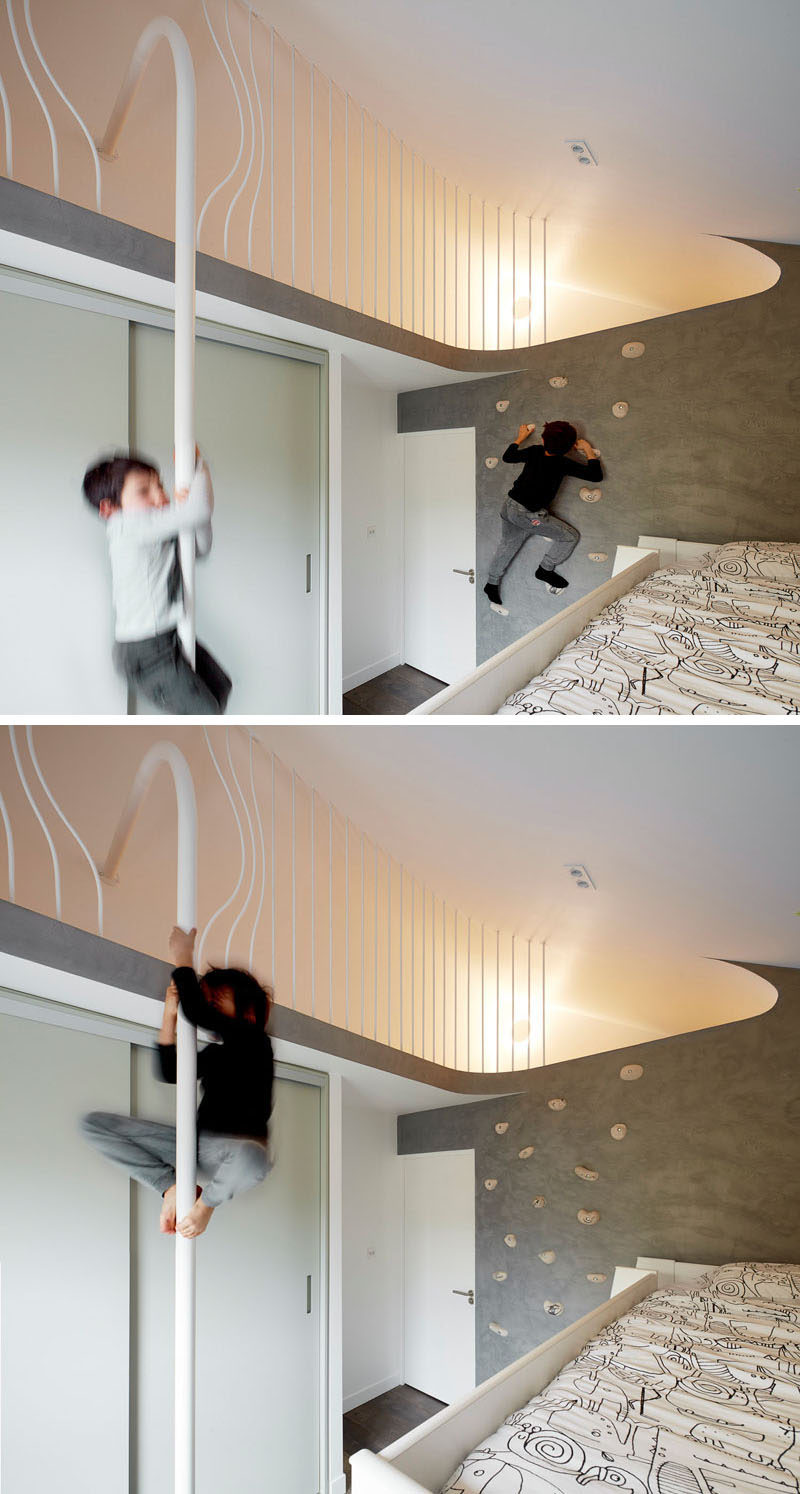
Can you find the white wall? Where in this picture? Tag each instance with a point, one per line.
(372, 1284)
(372, 495)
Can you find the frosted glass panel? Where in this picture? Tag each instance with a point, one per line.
(258, 426)
(64, 1235)
(257, 1347)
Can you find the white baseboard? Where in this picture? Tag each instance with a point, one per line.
(350, 1402)
(370, 672)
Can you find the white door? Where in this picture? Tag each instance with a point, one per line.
(440, 552)
(258, 1326)
(439, 1272)
(259, 593)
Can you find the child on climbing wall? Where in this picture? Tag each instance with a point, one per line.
(142, 529)
(234, 1111)
(526, 511)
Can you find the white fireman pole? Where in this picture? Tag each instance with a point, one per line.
(165, 28)
(186, 1090)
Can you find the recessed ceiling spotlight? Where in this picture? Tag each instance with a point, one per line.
(583, 153)
(580, 876)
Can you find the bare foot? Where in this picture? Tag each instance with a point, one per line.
(168, 1211)
(167, 1221)
(196, 1220)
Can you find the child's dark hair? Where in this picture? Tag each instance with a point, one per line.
(103, 482)
(251, 1000)
(558, 437)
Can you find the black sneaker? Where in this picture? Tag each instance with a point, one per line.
(493, 592)
(551, 578)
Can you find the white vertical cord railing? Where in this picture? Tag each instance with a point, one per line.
(8, 132)
(449, 997)
(186, 1089)
(73, 832)
(163, 28)
(5, 817)
(422, 276)
(73, 111)
(38, 95)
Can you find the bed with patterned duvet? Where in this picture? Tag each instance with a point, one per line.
(723, 639)
(696, 1391)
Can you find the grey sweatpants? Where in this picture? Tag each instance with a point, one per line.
(226, 1165)
(519, 525)
(159, 669)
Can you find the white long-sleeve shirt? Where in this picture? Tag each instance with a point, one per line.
(141, 548)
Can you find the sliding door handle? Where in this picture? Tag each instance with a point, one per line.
(308, 575)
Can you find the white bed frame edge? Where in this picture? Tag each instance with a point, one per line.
(420, 1462)
(484, 690)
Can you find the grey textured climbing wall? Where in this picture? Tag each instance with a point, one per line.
(707, 450)
(707, 1168)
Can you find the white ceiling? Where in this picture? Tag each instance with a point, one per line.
(690, 831)
(690, 107)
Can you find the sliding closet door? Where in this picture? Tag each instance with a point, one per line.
(258, 593)
(64, 1252)
(258, 1305)
(63, 402)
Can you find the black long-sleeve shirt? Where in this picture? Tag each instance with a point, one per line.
(541, 475)
(236, 1074)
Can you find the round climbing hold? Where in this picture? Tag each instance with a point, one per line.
(590, 495)
(489, 1184)
(620, 409)
(539, 1202)
(499, 1276)
(631, 1071)
(511, 1241)
(558, 381)
(632, 349)
(598, 555)
(491, 462)
(501, 1128)
(588, 1216)
(619, 1130)
(555, 1309)
(596, 1276)
(587, 1173)
(556, 1104)
(502, 406)
(548, 1256)
(527, 1151)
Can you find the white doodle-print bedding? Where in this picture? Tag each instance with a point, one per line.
(702, 644)
(688, 1394)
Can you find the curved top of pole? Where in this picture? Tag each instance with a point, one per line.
(161, 28)
(168, 753)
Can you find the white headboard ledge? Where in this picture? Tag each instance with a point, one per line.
(669, 1273)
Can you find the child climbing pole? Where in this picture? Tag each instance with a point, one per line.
(526, 511)
(236, 1075)
(142, 530)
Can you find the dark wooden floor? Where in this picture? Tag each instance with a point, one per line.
(394, 693)
(377, 1423)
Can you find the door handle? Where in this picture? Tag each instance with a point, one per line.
(470, 1295)
(470, 573)
(308, 575)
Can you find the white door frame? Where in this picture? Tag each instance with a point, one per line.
(46, 288)
(36, 1008)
